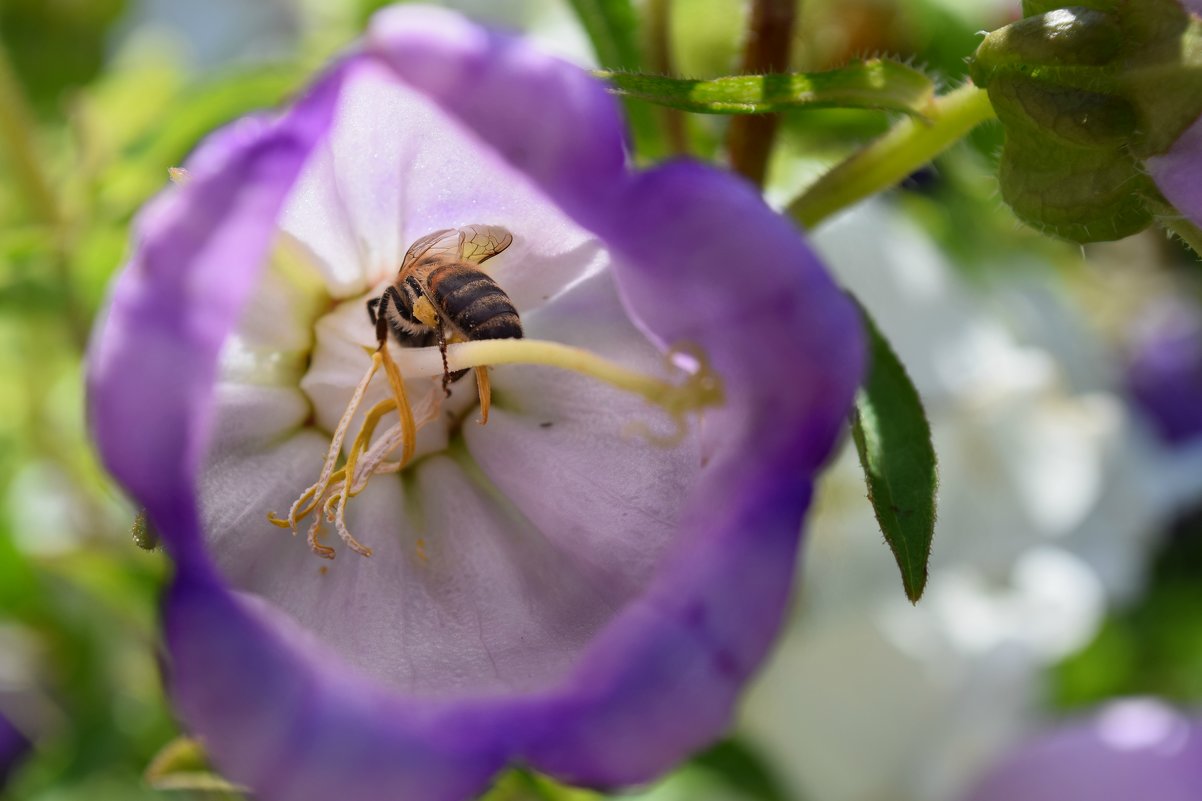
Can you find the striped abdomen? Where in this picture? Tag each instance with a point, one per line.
(473, 302)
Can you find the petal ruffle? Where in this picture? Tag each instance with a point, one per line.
(1178, 172)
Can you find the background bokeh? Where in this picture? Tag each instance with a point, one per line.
(1062, 385)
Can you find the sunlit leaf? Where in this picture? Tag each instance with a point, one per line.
(893, 439)
(877, 84)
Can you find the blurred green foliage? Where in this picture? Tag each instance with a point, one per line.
(1154, 645)
(112, 111)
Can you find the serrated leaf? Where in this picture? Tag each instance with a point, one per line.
(893, 439)
(876, 84)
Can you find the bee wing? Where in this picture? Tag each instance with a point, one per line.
(446, 239)
(479, 243)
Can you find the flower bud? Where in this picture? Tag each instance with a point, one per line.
(1087, 93)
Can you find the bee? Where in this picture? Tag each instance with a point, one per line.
(441, 295)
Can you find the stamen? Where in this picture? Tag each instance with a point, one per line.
(484, 387)
(328, 497)
(299, 508)
(701, 388)
(408, 427)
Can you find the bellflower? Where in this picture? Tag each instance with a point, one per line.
(583, 584)
(1129, 750)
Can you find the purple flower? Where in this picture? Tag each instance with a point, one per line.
(1130, 750)
(569, 587)
(1164, 371)
(13, 747)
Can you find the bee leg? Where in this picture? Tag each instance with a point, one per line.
(446, 368)
(371, 309)
(381, 312)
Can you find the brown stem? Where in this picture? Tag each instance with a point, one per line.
(770, 33)
(659, 43)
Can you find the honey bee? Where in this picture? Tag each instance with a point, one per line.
(441, 295)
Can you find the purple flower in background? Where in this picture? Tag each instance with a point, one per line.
(576, 586)
(1130, 750)
(1164, 370)
(13, 747)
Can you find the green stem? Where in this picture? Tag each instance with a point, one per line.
(16, 137)
(882, 164)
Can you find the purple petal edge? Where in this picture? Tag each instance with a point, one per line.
(14, 746)
(287, 718)
(152, 364)
(1127, 750)
(1178, 173)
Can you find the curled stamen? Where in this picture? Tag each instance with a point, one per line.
(302, 506)
(408, 426)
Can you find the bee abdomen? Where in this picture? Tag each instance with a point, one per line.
(476, 305)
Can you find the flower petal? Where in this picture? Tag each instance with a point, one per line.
(662, 679)
(283, 716)
(731, 276)
(1137, 748)
(551, 120)
(151, 370)
(395, 168)
(13, 747)
(1178, 172)
(586, 478)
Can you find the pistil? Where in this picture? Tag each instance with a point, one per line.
(328, 497)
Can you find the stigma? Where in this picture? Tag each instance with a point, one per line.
(324, 503)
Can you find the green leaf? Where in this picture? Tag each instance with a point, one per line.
(739, 767)
(1086, 91)
(520, 784)
(613, 28)
(893, 439)
(183, 765)
(876, 84)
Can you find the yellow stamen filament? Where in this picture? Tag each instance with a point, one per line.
(484, 387)
(302, 506)
(327, 499)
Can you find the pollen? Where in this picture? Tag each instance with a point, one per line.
(341, 479)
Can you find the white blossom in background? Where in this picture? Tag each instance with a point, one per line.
(1051, 497)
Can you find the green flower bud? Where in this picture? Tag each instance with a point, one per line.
(1086, 93)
